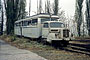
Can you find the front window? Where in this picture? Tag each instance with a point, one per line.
(56, 25)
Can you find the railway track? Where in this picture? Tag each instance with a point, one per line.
(78, 47)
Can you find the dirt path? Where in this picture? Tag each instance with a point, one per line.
(8, 52)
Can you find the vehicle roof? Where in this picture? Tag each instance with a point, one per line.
(52, 21)
(38, 16)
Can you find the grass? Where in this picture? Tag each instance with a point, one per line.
(25, 43)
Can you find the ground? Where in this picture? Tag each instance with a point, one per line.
(8, 52)
(77, 50)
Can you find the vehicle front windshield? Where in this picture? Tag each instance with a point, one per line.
(56, 25)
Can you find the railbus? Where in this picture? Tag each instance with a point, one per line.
(43, 26)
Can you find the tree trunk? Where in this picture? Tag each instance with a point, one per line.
(56, 7)
(2, 21)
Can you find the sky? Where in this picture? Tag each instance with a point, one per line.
(67, 5)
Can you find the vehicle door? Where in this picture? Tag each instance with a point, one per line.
(45, 30)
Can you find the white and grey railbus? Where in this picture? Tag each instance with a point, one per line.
(41, 26)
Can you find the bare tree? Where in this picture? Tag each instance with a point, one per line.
(78, 15)
(37, 7)
(88, 15)
(15, 9)
(40, 6)
(29, 7)
(48, 7)
(2, 18)
(45, 7)
(56, 3)
(2, 21)
(0, 4)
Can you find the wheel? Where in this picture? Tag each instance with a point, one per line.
(64, 43)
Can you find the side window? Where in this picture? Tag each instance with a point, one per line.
(44, 19)
(17, 24)
(29, 22)
(22, 23)
(45, 25)
(25, 23)
(34, 22)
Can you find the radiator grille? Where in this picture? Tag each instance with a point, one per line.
(54, 30)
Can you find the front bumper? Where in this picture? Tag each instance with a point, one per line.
(56, 39)
(67, 39)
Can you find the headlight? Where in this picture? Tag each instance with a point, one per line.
(57, 35)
